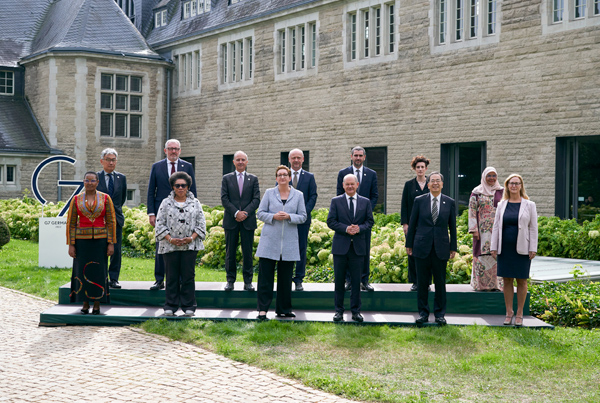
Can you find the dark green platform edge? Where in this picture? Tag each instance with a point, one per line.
(392, 304)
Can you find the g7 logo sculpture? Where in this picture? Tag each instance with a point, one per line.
(38, 170)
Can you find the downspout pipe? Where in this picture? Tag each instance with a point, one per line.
(168, 104)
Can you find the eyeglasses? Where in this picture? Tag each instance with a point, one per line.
(435, 181)
(90, 181)
(282, 175)
(180, 186)
(173, 149)
(514, 183)
(110, 160)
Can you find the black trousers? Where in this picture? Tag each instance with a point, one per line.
(115, 260)
(180, 265)
(159, 266)
(349, 265)
(365, 272)
(231, 243)
(427, 267)
(302, 243)
(266, 278)
(412, 270)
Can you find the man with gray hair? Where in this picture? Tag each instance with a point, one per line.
(114, 184)
(159, 188)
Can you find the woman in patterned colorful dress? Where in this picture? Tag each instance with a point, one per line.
(91, 234)
(482, 210)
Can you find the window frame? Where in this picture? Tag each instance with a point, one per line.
(235, 60)
(296, 47)
(562, 15)
(121, 119)
(5, 79)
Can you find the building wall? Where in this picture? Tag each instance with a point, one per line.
(518, 95)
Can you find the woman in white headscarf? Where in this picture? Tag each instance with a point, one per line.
(482, 210)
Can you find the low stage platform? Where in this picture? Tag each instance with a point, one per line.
(392, 304)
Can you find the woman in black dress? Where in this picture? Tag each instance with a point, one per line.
(413, 188)
(514, 243)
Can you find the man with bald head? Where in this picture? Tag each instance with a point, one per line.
(351, 217)
(303, 181)
(240, 196)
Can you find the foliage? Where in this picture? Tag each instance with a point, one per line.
(566, 238)
(574, 303)
(21, 216)
(4, 233)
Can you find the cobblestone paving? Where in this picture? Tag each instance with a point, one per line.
(120, 364)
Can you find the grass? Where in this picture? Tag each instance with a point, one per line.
(370, 363)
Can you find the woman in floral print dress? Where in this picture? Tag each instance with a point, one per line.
(482, 210)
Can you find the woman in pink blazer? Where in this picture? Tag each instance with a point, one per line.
(514, 243)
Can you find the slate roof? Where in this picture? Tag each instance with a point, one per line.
(19, 132)
(221, 15)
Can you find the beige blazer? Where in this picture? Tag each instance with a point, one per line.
(527, 238)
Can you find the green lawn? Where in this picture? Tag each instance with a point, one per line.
(371, 363)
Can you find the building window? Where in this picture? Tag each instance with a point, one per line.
(228, 165)
(188, 69)
(128, 8)
(193, 8)
(160, 18)
(370, 33)
(120, 106)
(561, 15)
(7, 83)
(295, 46)
(284, 160)
(236, 60)
(8, 174)
(377, 161)
(558, 7)
(580, 6)
(464, 23)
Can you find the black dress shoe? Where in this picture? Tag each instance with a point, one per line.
(249, 287)
(440, 321)
(114, 284)
(357, 317)
(228, 286)
(96, 311)
(338, 317)
(366, 287)
(262, 318)
(413, 287)
(85, 311)
(422, 319)
(348, 286)
(159, 285)
(299, 287)
(286, 315)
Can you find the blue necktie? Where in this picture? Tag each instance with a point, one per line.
(111, 185)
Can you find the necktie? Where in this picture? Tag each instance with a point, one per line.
(295, 181)
(352, 209)
(434, 210)
(111, 184)
(358, 178)
(172, 168)
(241, 182)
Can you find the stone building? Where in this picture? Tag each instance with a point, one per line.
(468, 83)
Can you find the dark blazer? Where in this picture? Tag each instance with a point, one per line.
(367, 184)
(308, 187)
(409, 193)
(119, 196)
(233, 202)
(339, 219)
(423, 234)
(159, 188)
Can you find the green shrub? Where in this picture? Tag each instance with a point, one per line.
(574, 303)
(566, 238)
(4, 233)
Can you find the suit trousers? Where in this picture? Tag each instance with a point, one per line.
(266, 278)
(231, 243)
(431, 265)
(302, 244)
(350, 265)
(159, 266)
(180, 288)
(115, 260)
(365, 272)
(412, 270)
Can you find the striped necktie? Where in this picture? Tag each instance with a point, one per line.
(434, 210)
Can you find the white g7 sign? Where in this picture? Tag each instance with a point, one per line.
(38, 170)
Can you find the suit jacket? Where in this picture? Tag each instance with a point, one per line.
(339, 219)
(423, 233)
(233, 202)
(308, 187)
(159, 188)
(409, 193)
(367, 184)
(527, 237)
(119, 196)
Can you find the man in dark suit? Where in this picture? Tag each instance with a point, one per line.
(114, 184)
(351, 217)
(240, 196)
(367, 187)
(431, 239)
(303, 181)
(159, 189)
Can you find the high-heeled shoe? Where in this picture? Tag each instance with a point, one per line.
(262, 318)
(96, 311)
(85, 311)
(508, 320)
(518, 321)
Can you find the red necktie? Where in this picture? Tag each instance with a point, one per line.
(172, 168)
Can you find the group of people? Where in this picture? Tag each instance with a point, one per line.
(502, 220)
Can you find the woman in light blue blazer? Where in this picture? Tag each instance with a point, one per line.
(281, 209)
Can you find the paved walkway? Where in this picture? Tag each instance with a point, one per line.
(120, 364)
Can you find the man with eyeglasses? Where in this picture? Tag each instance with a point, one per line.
(114, 184)
(159, 188)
